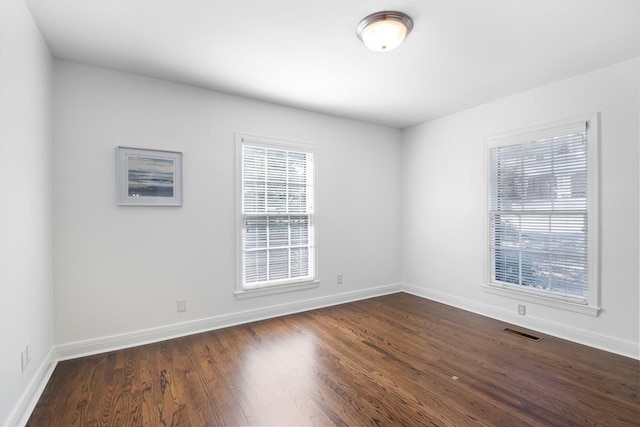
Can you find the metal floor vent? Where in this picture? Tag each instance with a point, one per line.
(522, 334)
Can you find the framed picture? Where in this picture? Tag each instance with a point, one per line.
(149, 177)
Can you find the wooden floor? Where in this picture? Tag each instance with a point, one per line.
(392, 360)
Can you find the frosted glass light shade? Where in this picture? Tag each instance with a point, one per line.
(383, 31)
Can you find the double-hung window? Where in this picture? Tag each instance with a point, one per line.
(276, 198)
(542, 215)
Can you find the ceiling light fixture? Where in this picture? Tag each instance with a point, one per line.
(383, 31)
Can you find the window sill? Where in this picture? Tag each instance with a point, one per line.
(272, 290)
(523, 295)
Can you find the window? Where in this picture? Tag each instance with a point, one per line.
(277, 238)
(542, 206)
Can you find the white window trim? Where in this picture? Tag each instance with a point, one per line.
(289, 285)
(592, 307)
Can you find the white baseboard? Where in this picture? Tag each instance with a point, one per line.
(31, 395)
(147, 336)
(141, 337)
(591, 339)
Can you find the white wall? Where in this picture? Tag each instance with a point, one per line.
(26, 316)
(442, 206)
(119, 270)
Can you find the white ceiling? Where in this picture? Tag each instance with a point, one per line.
(304, 53)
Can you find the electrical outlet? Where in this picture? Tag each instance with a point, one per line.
(522, 309)
(27, 350)
(182, 305)
(339, 279)
(23, 360)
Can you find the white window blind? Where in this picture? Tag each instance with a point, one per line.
(277, 216)
(539, 214)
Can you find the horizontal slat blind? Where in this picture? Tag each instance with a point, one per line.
(538, 214)
(277, 210)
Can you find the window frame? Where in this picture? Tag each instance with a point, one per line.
(592, 305)
(285, 285)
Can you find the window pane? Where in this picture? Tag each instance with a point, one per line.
(299, 262)
(254, 197)
(255, 266)
(276, 196)
(278, 231)
(253, 179)
(299, 230)
(278, 264)
(255, 235)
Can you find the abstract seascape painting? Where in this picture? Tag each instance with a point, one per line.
(149, 177)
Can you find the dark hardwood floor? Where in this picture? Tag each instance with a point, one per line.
(392, 360)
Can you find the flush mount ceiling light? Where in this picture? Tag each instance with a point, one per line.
(383, 31)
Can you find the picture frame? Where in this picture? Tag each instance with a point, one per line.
(148, 177)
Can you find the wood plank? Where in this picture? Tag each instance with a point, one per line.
(392, 360)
